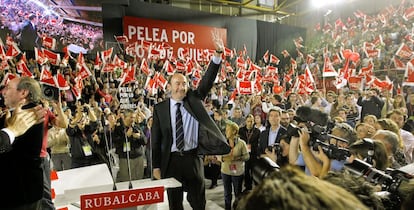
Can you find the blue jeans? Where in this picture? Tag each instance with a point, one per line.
(229, 182)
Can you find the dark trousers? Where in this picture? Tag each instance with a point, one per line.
(231, 183)
(187, 169)
(248, 178)
(47, 203)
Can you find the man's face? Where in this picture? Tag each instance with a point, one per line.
(285, 120)
(178, 87)
(12, 96)
(274, 118)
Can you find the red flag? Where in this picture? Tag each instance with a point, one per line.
(228, 52)
(77, 88)
(375, 53)
(266, 56)
(21, 67)
(106, 55)
(245, 87)
(404, 51)
(108, 67)
(167, 67)
(240, 62)
(229, 68)
(120, 63)
(2, 52)
(49, 42)
(328, 69)
(179, 66)
(398, 63)
(46, 77)
(98, 62)
(409, 74)
(13, 51)
(53, 58)
(128, 76)
(408, 13)
(368, 70)
(62, 84)
(161, 81)
(145, 68)
(275, 60)
(336, 59)
(84, 72)
(189, 65)
(7, 78)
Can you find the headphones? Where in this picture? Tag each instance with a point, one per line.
(370, 158)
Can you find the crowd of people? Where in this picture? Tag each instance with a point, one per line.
(233, 132)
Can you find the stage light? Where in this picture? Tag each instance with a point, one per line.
(46, 9)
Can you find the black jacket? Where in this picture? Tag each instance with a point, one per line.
(210, 139)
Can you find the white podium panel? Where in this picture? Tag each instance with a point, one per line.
(73, 183)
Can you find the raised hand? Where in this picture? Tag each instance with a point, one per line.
(22, 120)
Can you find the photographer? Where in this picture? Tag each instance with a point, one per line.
(370, 151)
(80, 131)
(279, 153)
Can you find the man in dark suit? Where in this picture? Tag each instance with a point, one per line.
(22, 172)
(184, 115)
(251, 136)
(29, 37)
(271, 135)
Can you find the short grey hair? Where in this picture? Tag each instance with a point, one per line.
(33, 86)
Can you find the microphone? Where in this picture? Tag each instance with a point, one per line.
(114, 188)
(128, 147)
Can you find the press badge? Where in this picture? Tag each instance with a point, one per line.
(87, 149)
(127, 147)
(233, 168)
(249, 148)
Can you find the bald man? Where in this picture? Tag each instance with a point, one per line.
(181, 131)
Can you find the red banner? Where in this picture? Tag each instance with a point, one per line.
(122, 199)
(182, 37)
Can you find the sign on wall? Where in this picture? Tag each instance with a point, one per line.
(182, 37)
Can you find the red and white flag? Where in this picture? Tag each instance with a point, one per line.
(62, 84)
(398, 63)
(145, 68)
(128, 76)
(98, 62)
(53, 58)
(355, 83)
(2, 52)
(49, 42)
(46, 77)
(7, 78)
(107, 55)
(40, 58)
(409, 74)
(266, 56)
(21, 67)
(77, 88)
(119, 62)
(12, 50)
(374, 53)
(84, 71)
(404, 51)
(275, 60)
(245, 87)
(408, 13)
(168, 68)
(328, 69)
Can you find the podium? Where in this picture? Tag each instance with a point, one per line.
(73, 183)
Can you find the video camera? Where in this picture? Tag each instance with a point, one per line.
(391, 181)
(262, 168)
(318, 127)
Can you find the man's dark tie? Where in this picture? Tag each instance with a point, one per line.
(179, 130)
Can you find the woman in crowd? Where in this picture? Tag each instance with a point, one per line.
(232, 167)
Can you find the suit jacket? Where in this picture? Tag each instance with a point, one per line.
(22, 174)
(29, 37)
(210, 139)
(264, 138)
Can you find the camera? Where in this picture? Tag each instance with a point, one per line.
(277, 148)
(50, 92)
(391, 181)
(262, 168)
